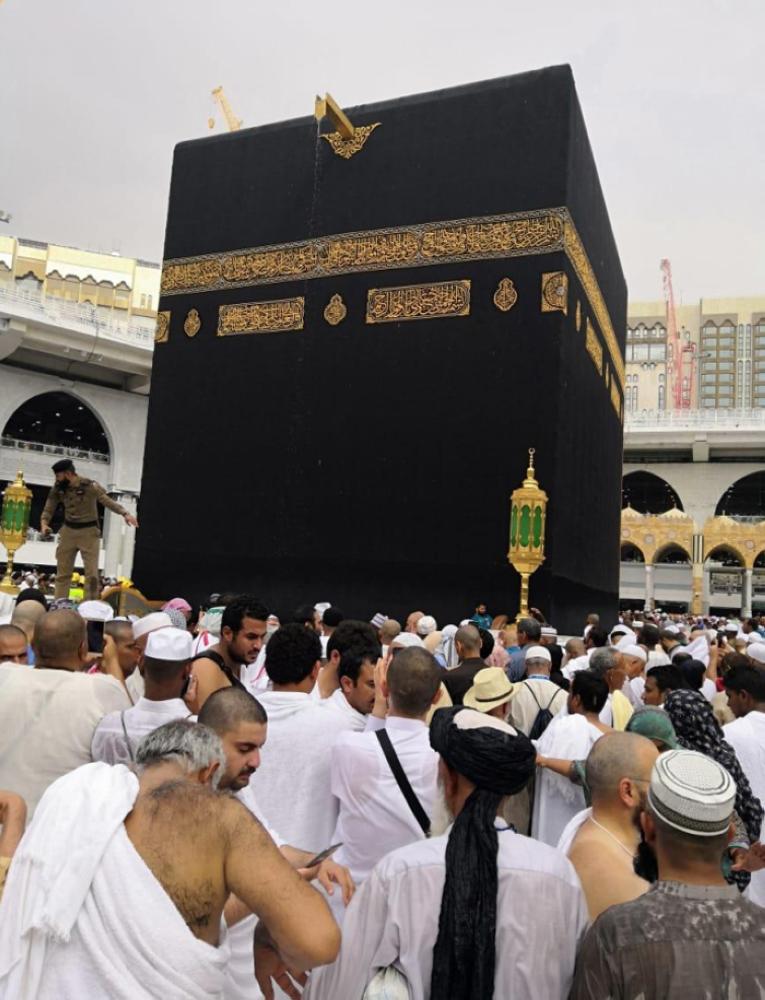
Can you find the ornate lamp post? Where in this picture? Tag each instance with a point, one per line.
(14, 521)
(528, 515)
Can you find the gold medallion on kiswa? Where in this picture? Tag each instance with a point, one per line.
(261, 317)
(405, 302)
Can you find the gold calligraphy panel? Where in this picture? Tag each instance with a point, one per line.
(261, 317)
(162, 329)
(616, 400)
(555, 292)
(593, 348)
(444, 298)
(412, 246)
(516, 234)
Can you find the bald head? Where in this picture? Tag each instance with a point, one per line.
(26, 615)
(614, 757)
(228, 708)
(13, 644)
(412, 681)
(575, 647)
(60, 640)
(467, 641)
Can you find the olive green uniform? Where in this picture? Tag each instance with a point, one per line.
(79, 532)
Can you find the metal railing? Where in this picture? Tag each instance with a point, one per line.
(54, 449)
(76, 315)
(753, 419)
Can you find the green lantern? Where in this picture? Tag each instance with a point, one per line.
(14, 522)
(528, 515)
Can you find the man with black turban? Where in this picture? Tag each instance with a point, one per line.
(480, 912)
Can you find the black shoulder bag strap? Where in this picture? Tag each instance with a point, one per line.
(402, 781)
(547, 706)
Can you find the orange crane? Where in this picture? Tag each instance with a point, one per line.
(681, 355)
(234, 123)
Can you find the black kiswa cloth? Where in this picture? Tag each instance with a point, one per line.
(499, 763)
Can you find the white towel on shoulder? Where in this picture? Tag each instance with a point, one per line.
(83, 916)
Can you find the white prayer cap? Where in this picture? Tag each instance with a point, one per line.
(637, 624)
(692, 793)
(732, 628)
(672, 629)
(549, 631)
(620, 630)
(150, 623)
(406, 639)
(538, 653)
(633, 650)
(426, 625)
(756, 652)
(169, 644)
(321, 607)
(754, 637)
(379, 620)
(96, 611)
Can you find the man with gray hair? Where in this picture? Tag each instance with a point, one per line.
(607, 663)
(133, 884)
(690, 934)
(529, 634)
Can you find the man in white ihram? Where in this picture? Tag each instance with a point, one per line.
(117, 890)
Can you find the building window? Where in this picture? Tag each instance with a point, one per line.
(657, 352)
(727, 328)
(662, 402)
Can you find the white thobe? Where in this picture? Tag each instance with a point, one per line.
(556, 799)
(109, 743)
(47, 721)
(374, 817)
(747, 737)
(292, 784)
(393, 918)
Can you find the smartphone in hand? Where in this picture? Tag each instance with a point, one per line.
(96, 637)
(318, 858)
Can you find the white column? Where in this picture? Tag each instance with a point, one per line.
(746, 594)
(649, 587)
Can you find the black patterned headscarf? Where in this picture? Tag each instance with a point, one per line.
(697, 728)
(499, 762)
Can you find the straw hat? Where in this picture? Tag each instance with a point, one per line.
(490, 689)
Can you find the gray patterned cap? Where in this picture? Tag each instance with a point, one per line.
(692, 793)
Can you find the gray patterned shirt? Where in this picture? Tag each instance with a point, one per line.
(676, 942)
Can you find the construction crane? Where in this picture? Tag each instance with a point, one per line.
(681, 354)
(234, 123)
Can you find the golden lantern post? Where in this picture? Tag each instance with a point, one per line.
(528, 516)
(14, 522)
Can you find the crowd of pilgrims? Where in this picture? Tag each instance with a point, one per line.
(228, 805)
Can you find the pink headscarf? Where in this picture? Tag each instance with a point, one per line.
(177, 604)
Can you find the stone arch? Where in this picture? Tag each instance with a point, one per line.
(44, 418)
(669, 548)
(726, 548)
(745, 498)
(648, 493)
(630, 548)
(759, 560)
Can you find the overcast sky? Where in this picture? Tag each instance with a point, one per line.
(95, 93)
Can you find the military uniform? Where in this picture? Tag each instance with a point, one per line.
(79, 532)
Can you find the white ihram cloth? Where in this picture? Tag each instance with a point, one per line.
(556, 799)
(109, 743)
(348, 718)
(241, 983)
(393, 919)
(573, 827)
(82, 915)
(747, 737)
(292, 785)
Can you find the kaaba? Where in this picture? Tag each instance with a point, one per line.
(360, 336)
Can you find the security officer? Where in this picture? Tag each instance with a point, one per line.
(79, 532)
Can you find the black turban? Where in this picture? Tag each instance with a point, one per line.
(499, 763)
